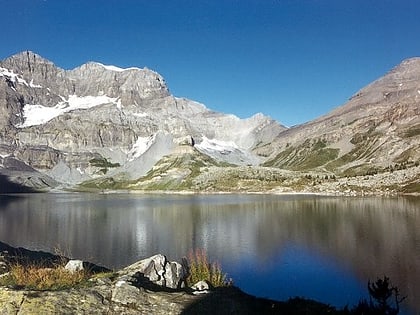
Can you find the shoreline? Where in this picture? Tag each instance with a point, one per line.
(190, 192)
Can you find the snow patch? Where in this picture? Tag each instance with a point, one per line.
(119, 105)
(216, 145)
(32, 85)
(227, 151)
(39, 114)
(140, 115)
(15, 78)
(117, 69)
(142, 145)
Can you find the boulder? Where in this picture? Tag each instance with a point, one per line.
(74, 265)
(159, 271)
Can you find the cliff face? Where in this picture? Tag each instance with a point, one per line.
(84, 123)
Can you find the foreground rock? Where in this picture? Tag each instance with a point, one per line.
(158, 270)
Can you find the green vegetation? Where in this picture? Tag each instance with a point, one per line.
(365, 147)
(200, 269)
(318, 158)
(175, 172)
(308, 155)
(364, 169)
(282, 159)
(104, 183)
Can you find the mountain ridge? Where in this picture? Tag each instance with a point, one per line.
(101, 124)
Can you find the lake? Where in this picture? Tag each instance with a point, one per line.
(275, 246)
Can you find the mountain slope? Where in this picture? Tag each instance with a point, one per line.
(377, 130)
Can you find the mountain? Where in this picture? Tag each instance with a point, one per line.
(377, 130)
(104, 127)
(60, 128)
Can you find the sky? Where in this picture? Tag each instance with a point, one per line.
(291, 60)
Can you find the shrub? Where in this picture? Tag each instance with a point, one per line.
(200, 269)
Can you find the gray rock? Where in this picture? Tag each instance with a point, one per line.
(74, 265)
(159, 271)
(125, 293)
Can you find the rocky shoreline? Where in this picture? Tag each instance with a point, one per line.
(150, 286)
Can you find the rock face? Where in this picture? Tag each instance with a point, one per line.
(103, 121)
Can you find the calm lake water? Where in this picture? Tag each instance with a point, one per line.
(325, 248)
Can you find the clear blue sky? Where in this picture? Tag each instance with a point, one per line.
(292, 60)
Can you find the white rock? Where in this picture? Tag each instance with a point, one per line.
(74, 265)
(201, 287)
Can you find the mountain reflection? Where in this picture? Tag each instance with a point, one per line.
(371, 237)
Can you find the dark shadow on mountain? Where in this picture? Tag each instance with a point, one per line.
(8, 187)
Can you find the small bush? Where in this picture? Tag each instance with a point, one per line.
(35, 277)
(200, 269)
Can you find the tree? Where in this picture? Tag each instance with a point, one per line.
(381, 293)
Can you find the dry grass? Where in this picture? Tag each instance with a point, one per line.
(201, 269)
(34, 277)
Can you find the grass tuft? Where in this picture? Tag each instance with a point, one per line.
(200, 269)
(35, 277)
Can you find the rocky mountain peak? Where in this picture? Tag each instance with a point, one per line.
(128, 83)
(31, 66)
(25, 61)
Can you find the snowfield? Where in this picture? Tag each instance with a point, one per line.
(142, 145)
(115, 68)
(209, 145)
(39, 114)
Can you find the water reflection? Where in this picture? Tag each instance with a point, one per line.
(276, 245)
